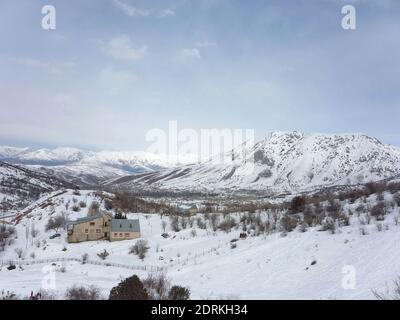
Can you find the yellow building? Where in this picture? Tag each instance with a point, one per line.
(102, 227)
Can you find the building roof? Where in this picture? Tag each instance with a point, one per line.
(84, 219)
(125, 225)
(87, 219)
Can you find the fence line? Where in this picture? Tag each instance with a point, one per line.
(92, 262)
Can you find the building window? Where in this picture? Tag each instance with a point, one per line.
(115, 234)
(92, 223)
(126, 235)
(86, 230)
(98, 231)
(120, 234)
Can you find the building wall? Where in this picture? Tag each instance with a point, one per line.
(118, 236)
(91, 230)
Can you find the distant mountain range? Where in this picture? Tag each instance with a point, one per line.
(85, 167)
(282, 162)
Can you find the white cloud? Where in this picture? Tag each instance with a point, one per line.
(132, 11)
(166, 13)
(116, 81)
(53, 67)
(205, 44)
(188, 54)
(121, 48)
(61, 98)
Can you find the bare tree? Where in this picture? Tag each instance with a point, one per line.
(55, 223)
(175, 223)
(184, 222)
(214, 221)
(157, 286)
(85, 258)
(391, 294)
(163, 225)
(34, 231)
(103, 255)
(93, 209)
(140, 248)
(19, 252)
(6, 232)
(83, 293)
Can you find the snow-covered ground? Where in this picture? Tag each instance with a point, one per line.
(309, 265)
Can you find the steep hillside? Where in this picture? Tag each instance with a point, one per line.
(283, 162)
(20, 186)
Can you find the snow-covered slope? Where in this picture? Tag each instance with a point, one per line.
(285, 161)
(19, 186)
(85, 167)
(40, 156)
(301, 265)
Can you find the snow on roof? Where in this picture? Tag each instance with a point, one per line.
(86, 219)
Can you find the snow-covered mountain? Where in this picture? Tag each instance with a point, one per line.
(20, 186)
(284, 162)
(41, 156)
(85, 167)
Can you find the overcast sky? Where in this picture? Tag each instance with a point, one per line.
(112, 70)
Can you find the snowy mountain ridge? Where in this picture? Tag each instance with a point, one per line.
(86, 167)
(284, 162)
(68, 155)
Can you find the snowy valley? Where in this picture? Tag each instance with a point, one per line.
(318, 218)
(205, 252)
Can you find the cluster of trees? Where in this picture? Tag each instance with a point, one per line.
(154, 287)
(324, 210)
(126, 202)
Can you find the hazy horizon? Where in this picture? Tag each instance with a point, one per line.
(35, 146)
